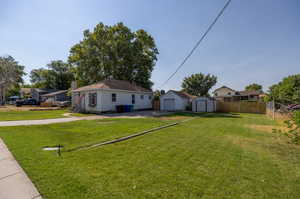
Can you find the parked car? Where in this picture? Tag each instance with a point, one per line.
(294, 107)
(26, 102)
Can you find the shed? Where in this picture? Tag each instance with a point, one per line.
(204, 104)
(175, 101)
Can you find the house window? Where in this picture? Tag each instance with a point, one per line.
(113, 97)
(150, 97)
(142, 97)
(229, 93)
(92, 99)
(133, 99)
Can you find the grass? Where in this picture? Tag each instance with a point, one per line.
(213, 156)
(31, 115)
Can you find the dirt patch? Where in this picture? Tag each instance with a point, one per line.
(106, 122)
(174, 118)
(267, 128)
(25, 108)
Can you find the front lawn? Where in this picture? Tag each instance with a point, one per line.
(31, 115)
(212, 156)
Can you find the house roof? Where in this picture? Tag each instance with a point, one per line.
(25, 90)
(44, 90)
(250, 92)
(223, 87)
(55, 93)
(184, 94)
(114, 85)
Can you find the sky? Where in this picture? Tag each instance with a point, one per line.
(255, 41)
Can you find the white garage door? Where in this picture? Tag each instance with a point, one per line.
(169, 104)
(201, 106)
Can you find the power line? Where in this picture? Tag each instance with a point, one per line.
(198, 43)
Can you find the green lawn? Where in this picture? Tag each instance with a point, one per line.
(213, 156)
(31, 115)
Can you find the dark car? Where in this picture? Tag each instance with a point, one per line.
(26, 102)
(293, 107)
(296, 107)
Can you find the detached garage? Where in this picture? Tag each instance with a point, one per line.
(175, 101)
(204, 104)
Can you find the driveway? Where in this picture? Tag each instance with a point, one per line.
(136, 114)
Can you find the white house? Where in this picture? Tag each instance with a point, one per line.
(204, 104)
(175, 101)
(106, 95)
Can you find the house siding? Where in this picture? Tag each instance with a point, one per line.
(223, 92)
(105, 104)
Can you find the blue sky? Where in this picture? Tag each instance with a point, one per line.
(254, 41)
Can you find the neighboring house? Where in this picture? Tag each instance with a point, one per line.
(224, 93)
(227, 94)
(106, 95)
(175, 101)
(24, 92)
(58, 96)
(36, 93)
(204, 104)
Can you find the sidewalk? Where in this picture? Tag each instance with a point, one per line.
(14, 183)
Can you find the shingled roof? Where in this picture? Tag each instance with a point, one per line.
(114, 85)
(250, 92)
(184, 94)
(55, 93)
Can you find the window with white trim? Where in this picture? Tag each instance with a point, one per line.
(92, 99)
(113, 97)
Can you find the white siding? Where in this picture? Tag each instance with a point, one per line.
(104, 100)
(203, 104)
(224, 92)
(180, 102)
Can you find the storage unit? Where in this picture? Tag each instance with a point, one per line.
(204, 104)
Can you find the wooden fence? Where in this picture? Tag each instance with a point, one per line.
(156, 105)
(241, 107)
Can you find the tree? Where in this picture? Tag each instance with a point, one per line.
(58, 75)
(114, 52)
(286, 91)
(253, 87)
(198, 84)
(11, 75)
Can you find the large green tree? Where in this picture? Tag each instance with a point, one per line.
(198, 84)
(253, 87)
(57, 75)
(286, 91)
(114, 52)
(11, 76)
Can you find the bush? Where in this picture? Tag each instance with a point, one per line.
(294, 128)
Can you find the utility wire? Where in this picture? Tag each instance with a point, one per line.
(198, 43)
